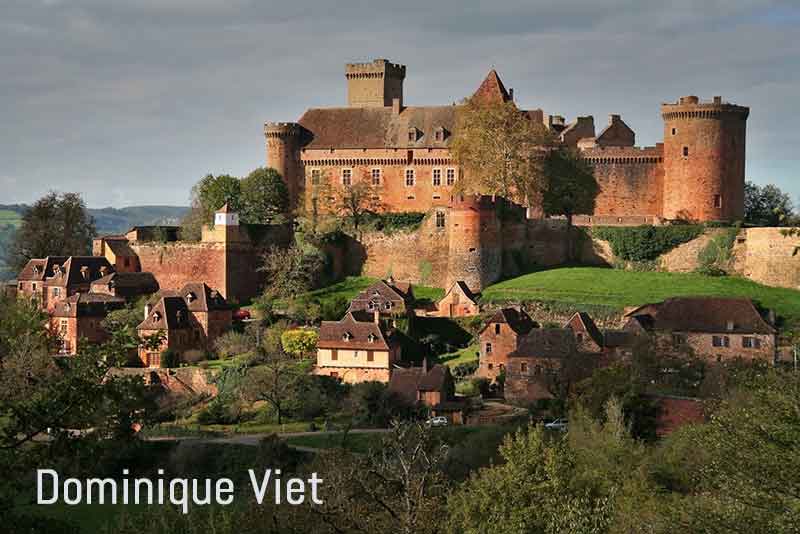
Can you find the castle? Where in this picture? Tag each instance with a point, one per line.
(697, 173)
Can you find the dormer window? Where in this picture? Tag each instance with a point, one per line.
(36, 270)
(85, 272)
(371, 305)
(388, 305)
(190, 296)
(179, 316)
(440, 134)
(347, 336)
(156, 316)
(371, 338)
(413, 135)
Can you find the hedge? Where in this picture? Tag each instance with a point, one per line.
(645, 243)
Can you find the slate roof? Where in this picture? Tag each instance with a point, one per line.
(396, 292)
(554, 343)
(200, 297)
(87, 305)
(519, 321)
(702, 314)
(168, 313)
(142, 282)
(120, 247)
(408, 381)
(40, 268)
(331, 334)
(72, 271)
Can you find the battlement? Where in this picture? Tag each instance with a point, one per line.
(691, 107)
(476, 202)
(622, 154)
(281, 129)
(377, 69)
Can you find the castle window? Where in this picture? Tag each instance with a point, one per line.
(451, 176)
(717, 201)
(315, 175)
(523, 367)
(440, 219)
(686, 152)
(437, 177)
(347, 176)
(497, 328)
(410, 178)
(439, 134)
(376, 177)
(674, 131)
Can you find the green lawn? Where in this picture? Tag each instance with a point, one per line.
(617, 288)
(467, 354)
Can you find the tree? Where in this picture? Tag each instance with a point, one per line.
(290, 271)
(767, 205)
(56, 225)
(274, 378)
(300, 342)
(209, 195)
(501, 150)
(353, 201)
(264, 197)
(571, 188)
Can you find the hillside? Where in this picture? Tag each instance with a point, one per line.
(107, 220)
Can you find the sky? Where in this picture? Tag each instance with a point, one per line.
(132, 102)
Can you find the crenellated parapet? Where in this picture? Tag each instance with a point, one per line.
(282, 130)
(691, 107)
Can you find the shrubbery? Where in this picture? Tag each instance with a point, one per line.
(645, 243)
(232, 344)
(394, 222)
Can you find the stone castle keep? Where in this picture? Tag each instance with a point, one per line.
(697, 173)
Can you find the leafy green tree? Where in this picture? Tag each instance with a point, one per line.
(56, 225)
(501, 150)
(767, 205)
(264, 197)
(300, 342)
(209, 195)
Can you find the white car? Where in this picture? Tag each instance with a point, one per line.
(437, 421)
(557, 424)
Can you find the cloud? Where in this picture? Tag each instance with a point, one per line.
(151, 95)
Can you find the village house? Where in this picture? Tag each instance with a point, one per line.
(715, 329)
(75, 276)
(190, 319)
(538, 364)
(499, 338)
(78, 319)
(116, 249)
(128, 285)
(31, 280)
(388, 297)
(359, 348)
(459, 301)
(433, 388)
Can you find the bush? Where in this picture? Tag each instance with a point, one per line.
(394, 222)
(716, 257)
(300, 343)
(482, 386)
(214, 414)
(232, 344)
(646, 243)
(170, 359)
(464, 370)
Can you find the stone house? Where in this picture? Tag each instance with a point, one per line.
(712, 328)
(358, 348)
(128, 285)
(117, 250)
(191, 319)
(388, 297)
(588, 337)
(31, 279)
(434, 388)
(459, 301)
(74, 276)
(79, 318)
(499, 338)
(540, 362)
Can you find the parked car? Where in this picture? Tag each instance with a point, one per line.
(241, 315)
(437, 421)
(557, 424)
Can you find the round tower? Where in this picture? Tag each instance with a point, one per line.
(474, 242)
(283, 155)
(704, 158)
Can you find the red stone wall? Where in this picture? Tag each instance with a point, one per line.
(176, 264)
(502, 343)
(630, 180)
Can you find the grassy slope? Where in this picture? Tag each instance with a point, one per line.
(467, 354)
(353, 285)
(611, 287)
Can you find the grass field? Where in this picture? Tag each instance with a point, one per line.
(467, 354)
(353, 285)
(617, 288)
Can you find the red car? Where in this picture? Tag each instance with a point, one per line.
(241, 315)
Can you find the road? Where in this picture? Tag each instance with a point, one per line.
(252, 440)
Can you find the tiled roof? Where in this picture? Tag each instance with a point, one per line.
(377, 127)
(201, 298)
(460, 284)
(492, 89)
(72, 271)
(140, 282)
(555, 343)
(589, 325)
(87, 305)
(407, 381)
(702, 314)
(40, 268)
(332, 334)
(382, 290)
(519, 321)
(120, 248)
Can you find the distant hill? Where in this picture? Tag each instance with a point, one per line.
(107, 221)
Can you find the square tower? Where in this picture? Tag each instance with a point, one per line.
(374, 84)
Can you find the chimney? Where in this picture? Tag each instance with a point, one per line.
(511, 93)
(729, 325)
(613, 118)
(718, 100)
(771, 317)
(396, 107)
(147, 311)
(376, 317)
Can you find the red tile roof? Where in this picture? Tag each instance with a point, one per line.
(702, 314)
(80, 270)
(519, 321)
(87, 305)
(40, 268)
(332, 335)
(554, 343)
(492, 89)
